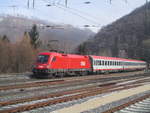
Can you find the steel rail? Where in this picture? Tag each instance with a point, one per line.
(68, 98)
(127, 104)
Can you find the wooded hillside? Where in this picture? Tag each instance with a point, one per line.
(127, 37)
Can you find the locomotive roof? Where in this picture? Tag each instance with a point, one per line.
(62, 54)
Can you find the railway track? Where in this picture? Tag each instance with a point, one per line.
(25, 79)
(59, 81)
(64, 96)
(53, 88)
(90, 92)
(139, 105)
(56, 94)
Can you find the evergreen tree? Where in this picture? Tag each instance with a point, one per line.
(81, 49)
(5, 39)
(34, 36)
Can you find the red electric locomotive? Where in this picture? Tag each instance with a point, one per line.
(59, 63)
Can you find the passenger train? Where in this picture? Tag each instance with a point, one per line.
(54, 63)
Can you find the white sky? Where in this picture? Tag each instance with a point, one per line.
(98, 13)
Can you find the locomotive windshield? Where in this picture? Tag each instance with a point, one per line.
(42, 58)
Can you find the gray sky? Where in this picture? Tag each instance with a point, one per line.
(98, 13)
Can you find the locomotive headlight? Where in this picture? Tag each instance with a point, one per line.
(48, 66)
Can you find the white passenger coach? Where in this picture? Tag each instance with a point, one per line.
(112, 64)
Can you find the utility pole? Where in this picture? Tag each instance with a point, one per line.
(33, 3)
(28, 4)
(66, 2)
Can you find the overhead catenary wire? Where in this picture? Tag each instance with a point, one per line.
(81, 12)
(73, 12)
(96, 24)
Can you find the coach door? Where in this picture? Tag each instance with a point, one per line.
(92, 63)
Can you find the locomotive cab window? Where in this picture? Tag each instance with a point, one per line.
(42, 58)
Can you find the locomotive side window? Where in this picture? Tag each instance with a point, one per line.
(54, 59)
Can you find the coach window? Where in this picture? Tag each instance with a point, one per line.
(99, 62)
(105, 63)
